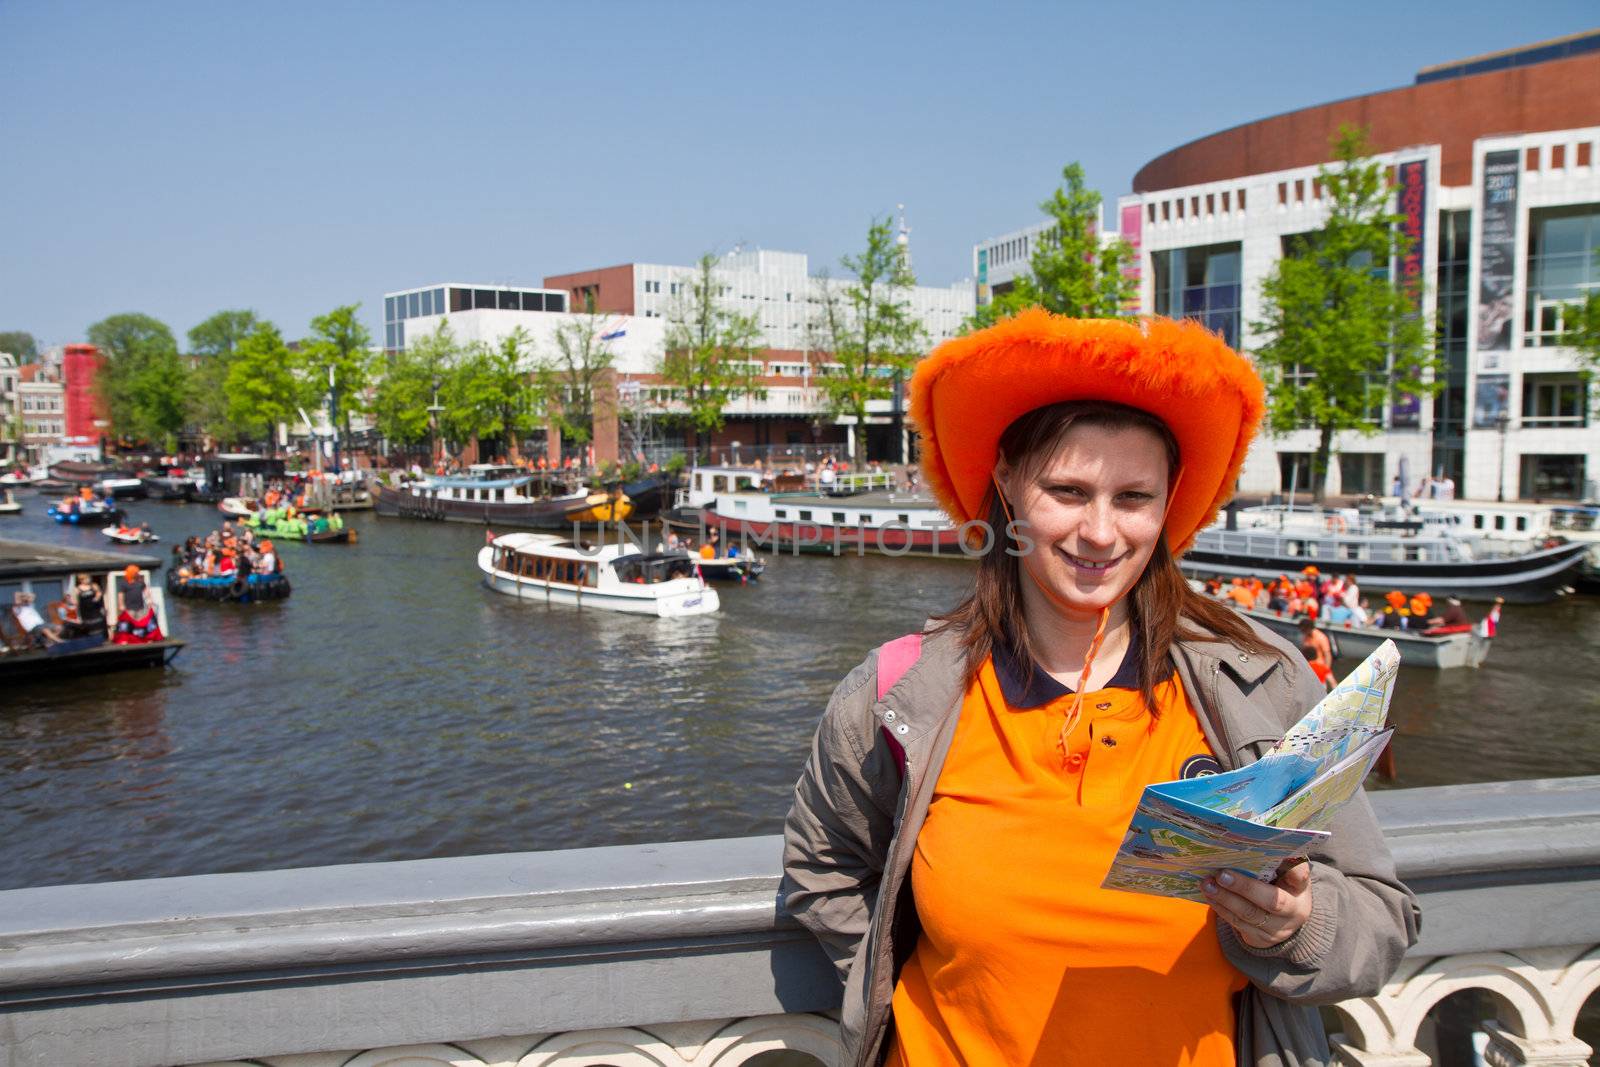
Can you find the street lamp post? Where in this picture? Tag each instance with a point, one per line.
(433, 425)
(1502, 422)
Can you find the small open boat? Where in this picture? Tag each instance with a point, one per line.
(1438, 649)
(310, 527)
(236, 588)
(731, 568)
(130, 536)
(20, 476)
(85, 513)
(238, 506)
(9, 505)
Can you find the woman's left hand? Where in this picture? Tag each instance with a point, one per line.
(1262, 914)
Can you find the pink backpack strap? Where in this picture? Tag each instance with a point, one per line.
(894, 659)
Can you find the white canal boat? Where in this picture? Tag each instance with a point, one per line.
(547, 568)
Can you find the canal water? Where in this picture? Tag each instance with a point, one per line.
(393, 708)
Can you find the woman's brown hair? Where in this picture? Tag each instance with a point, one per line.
(1161, 602)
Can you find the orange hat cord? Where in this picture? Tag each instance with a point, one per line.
(1075, 711)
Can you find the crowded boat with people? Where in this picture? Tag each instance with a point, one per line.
(83, 507)
(228, 565)
(1438, 635)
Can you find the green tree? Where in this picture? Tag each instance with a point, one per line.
(408, 383)
(212, 345)
(339, 345)
(570, 377)
(1338, 337)
(144, 383)
(1070, 271)
(487, 394)
(1580, 326)
(867, 329)
(261, 383)
(19, 343)
(709, 350)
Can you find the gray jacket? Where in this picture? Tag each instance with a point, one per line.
(849, 836)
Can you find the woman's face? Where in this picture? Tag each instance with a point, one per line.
(1094, 510)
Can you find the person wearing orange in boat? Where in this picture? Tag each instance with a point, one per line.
(951, 829)
(1396, 615)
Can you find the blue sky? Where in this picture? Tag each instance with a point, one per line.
(180, 158)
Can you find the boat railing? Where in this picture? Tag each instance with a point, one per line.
(1315, 548)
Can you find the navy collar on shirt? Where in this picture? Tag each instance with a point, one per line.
(1040, 689)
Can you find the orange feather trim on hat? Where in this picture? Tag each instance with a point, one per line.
(969, 389)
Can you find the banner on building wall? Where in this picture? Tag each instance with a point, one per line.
(1412, 199)
(1491, 401)
(1498, 254)
(1132, 232)
(983, 275)
(1406, 412)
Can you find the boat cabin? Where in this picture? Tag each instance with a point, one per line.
(223, 471)
(48, 573)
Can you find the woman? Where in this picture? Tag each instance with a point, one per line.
(90, 606)
(137, 623)
(950, 832)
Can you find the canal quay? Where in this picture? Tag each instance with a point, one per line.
(394, 708)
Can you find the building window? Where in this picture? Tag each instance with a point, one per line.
(388, 335)
(438, 301)
(413, 305)
(1294, 471)
(427, 302)
(510, 300)
(388, 309)
(483, 298)
(1361, 472)
(400, 335)
(1202, 284)
(1553, 400)
(1563, 267)
(1552, 477)
(460, 299)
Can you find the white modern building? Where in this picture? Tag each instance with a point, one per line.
(634, 304)
(1495, 163)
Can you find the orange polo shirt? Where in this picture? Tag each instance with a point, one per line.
(1023, 958)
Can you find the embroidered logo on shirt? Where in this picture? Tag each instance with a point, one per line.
(1199, 766)
(1108, 741)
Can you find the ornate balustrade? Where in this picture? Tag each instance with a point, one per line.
(677, 954)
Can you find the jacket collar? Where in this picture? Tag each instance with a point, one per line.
(932, 689)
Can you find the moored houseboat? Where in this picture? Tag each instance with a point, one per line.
(1387, 558)
(891, 523)
(547, 568)
(497, 495)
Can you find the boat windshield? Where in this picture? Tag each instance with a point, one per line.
(653, 568)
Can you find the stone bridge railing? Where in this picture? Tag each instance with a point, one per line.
(676, 954)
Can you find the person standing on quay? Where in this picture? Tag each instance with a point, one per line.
(950, 832)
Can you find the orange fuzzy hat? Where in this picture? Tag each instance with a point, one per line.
(965, 394)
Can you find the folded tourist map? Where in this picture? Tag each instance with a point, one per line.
(1254, 818)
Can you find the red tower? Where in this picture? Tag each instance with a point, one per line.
(85, 414)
